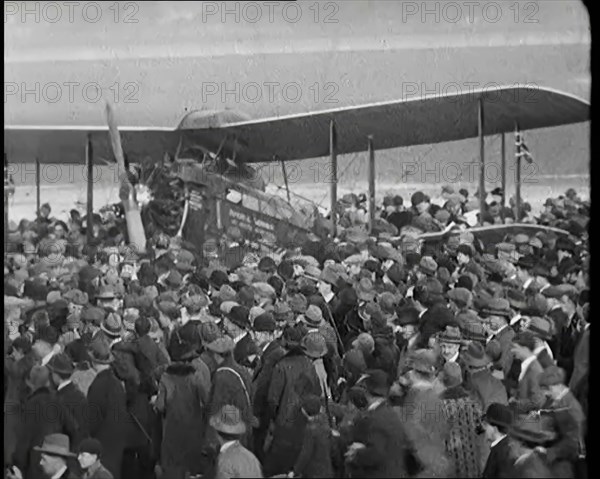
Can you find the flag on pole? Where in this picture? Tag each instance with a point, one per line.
(521, 148)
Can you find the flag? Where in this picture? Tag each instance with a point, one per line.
(521, 148)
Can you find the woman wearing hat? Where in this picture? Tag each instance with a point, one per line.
(463, 415)
(234, 460)
(182, 402)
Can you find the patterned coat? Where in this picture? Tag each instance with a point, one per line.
(464, 416)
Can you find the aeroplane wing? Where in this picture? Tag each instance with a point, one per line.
(407, 122)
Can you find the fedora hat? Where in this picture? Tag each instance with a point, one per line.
(313, 316)
(228, 420)
(55, 445)
(365, 290)
(314, 345)
(61, 363)
(99, 352)
(112, 325)
(450, 335)
(475, 355)
(540, 327)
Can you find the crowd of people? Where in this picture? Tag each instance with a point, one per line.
(362, 356)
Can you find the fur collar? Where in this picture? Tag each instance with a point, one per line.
(180, 369)
(457, 392)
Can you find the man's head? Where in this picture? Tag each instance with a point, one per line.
(45, 210)
(90, 452)
(552, 381)
(496, 421)
(464, 254)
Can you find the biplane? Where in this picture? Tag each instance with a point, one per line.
(210, 209)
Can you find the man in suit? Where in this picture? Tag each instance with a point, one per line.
(267, 337)
(528, 396)
(542, 331)
(107, 400)
(495, 423)
(234, 460)
(61, 369)
(55, 454)
(497, 317)
(379, 447)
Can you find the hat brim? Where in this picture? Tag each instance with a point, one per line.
(54, 451)
(234, 429)
(112, 334)
(98, 360)
(476, 362)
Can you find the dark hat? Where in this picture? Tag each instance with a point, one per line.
(451, 374)
(527, 262)
(497, 192)
(239, 315)
(47, 334)
(498, 414)
(465, 249)
(55, 445)
(552, 375)
(565, 244)
(540, 327)
(418, 198)
(218, 278)
(61, 364)
(91, 446)
(292, 336)
(99, 352)
(516, 299)
(525, 339)
(465, 281)
(311, 403)
(267, 264)
(377, 382)
(475, 355)
(354, 360)
(497, 307)
(264, 322)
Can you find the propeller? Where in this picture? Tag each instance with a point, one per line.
(135, 227)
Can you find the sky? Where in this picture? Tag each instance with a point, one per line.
(354, 52)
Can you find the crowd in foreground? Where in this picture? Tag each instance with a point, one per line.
(355, 357)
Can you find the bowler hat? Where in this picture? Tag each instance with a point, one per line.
(55, 445)
(377, 382)
(91, 446)
(498, 414)
(61, 364)
(265, 322)
(239, 316)
(406, 315)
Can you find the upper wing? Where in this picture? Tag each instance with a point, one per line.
(393, 124)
